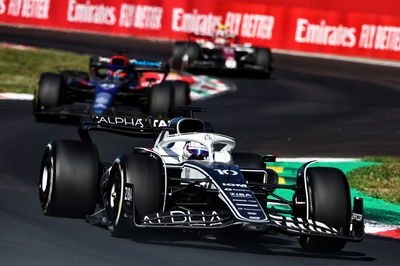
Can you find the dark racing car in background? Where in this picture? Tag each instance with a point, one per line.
(116, 85)
(192, 179)
(221, 52)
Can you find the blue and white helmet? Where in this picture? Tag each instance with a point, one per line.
(195, 151)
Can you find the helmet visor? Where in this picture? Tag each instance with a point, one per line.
(202, 152)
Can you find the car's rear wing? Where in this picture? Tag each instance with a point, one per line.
(193, 37)
(142, 127)
(138, 65)
(149, 66)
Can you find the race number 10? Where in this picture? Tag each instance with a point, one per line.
(226, 172)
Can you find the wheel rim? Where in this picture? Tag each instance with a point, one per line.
(46, 183)
(114, 200)
(113, 195)
(45, 178)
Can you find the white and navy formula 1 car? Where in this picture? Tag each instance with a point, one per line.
(191, 178)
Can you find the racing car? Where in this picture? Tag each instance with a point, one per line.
(191, 179)
(220, 52)
(114, 85)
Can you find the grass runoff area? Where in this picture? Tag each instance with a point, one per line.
(20, 71)
(381, 181)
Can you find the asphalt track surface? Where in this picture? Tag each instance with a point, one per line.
(310, 107)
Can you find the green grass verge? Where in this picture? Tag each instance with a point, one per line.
(381, 181)
(375, 209)
(20, 69)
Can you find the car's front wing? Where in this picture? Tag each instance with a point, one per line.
(221, 219)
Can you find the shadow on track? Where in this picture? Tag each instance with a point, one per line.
(238, 242)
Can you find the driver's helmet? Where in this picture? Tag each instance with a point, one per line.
(119, 60)
(118, 75)
(195, 151)
(221, 35)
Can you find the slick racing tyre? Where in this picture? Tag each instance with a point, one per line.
(177, 53)
(248, 160)
(145, 175)
(183, 53)
(263, 59)
(329, 195)
(192, 52)
(68, 183)
(49, 94)
(160, 99)
(180, 96)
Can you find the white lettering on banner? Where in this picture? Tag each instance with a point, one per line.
(367, 36)
(233, 21)
(250, 25)
(14, 7)
(88, 13)
(3, 7)
(380, 37)
(141, 17)
(245, 25)
(323, 34)
(257, 26)
(38, 9)
(127, 16)
(201, 24)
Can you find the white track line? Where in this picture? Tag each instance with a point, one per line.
(17, 46)
(362, 60)
(16, 96)
(372, 227)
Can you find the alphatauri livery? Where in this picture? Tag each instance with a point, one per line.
(192, 179)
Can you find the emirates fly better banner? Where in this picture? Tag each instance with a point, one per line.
(354, 28)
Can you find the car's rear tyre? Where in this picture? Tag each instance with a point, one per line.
(145, 174)
(192, 53)
(183, 53)
(248, 160)
(50, 93)
(180, 97)
(263, 59)
(329, 195)
(160, 99)
(177, 53)
(68, 183)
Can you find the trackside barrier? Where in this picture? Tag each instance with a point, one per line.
(365, 28)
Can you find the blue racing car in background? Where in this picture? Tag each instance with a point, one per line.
(114, 85)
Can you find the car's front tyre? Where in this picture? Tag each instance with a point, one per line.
(50, 93)
(263, 59)
(329, 195)
(144, 175)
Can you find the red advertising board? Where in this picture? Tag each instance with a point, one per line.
(365, 28)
